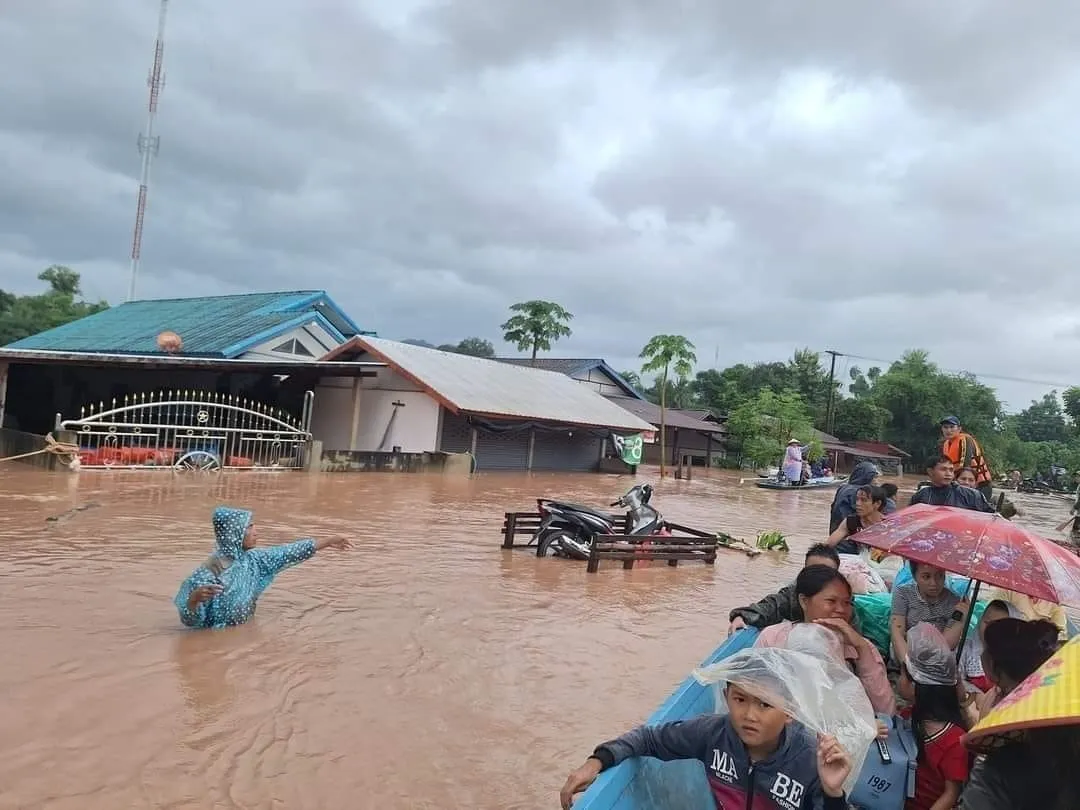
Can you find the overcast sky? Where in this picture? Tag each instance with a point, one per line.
(757, 176)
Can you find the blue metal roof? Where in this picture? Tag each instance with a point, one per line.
(218, 326)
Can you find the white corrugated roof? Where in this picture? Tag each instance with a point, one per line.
(480, 386)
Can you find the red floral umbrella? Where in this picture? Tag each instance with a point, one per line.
(983, 547)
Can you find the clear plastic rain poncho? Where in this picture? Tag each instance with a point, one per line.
(815, 687)
(929, 660)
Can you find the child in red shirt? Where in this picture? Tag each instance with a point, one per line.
(928, 679)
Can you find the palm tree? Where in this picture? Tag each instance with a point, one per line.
(536, 325)
(664, 354)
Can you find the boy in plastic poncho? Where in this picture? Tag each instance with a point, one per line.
(225, 589)
(755, 756)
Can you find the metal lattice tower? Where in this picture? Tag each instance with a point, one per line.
(149, 143)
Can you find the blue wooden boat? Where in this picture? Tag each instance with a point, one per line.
(648, 784)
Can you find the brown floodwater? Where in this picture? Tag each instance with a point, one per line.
(427, 668)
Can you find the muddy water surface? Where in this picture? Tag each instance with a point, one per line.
(425, 669)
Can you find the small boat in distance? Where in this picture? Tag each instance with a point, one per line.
(813, 483)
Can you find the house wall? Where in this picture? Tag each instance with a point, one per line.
(312, 336)
(599, 381)
(684, 442)
(569, 450)
(355, 415)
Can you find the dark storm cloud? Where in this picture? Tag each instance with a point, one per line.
(758, 176)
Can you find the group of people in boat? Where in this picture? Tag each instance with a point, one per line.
(756, 748)
(797, 469)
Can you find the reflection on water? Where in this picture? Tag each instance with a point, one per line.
(426, 669)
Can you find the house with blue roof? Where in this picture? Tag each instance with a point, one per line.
(261, 348)
(273, 326)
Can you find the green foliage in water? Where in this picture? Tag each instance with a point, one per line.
(772, 541)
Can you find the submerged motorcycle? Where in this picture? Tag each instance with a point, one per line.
(568, 529)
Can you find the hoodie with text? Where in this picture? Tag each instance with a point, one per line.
(787, 780)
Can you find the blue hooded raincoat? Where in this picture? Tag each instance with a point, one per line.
(248, 574)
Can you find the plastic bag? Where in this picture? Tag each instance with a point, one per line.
(862, 576)
(809, 682)
(929, 660)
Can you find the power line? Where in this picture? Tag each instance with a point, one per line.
(1000, 377)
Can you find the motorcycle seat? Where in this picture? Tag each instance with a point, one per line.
(574, 507)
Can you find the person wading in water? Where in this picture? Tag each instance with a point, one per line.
(965, 453)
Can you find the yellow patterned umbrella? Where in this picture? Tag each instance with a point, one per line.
(1049, 697)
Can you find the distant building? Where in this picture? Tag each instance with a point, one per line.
(845, 455)
(509, 416)
(693, 434)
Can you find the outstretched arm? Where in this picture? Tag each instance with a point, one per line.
(275, 559)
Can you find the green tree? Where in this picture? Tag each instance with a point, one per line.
(763, 426)
(810, 380)
(724, 391)
(535, 325)
(855, 419)
(633, 379)
(473, 346)
(1042, 421)
(1071, 397)
(664, 354)
(862, 385)
(25, 315)
(680, 393)
(918, 394)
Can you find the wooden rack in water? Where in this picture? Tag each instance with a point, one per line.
(684, 542)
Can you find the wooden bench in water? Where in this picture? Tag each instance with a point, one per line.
(684, 543)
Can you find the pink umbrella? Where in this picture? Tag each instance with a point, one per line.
(983, 547)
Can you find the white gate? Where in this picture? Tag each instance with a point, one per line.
(191, 430)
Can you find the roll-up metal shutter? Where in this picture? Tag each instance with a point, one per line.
(456, 433)
(502, 451)
(559, 451)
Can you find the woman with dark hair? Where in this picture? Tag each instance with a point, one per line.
(826, 600)
(1015, 776)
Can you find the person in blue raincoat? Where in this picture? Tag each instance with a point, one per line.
(225, 589)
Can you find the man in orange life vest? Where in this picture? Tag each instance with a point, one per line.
(964, 452)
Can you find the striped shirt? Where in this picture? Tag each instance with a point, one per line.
(909, 603)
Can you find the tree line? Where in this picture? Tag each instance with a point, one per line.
(902, 404)
(25, 315)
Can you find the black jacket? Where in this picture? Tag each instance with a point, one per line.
(953, 495)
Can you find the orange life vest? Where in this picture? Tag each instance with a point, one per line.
(963, 451)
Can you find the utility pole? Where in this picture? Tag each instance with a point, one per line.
(832, 388)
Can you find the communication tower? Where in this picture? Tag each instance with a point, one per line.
(149, 143)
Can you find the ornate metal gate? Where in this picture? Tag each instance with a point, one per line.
(191, 431)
